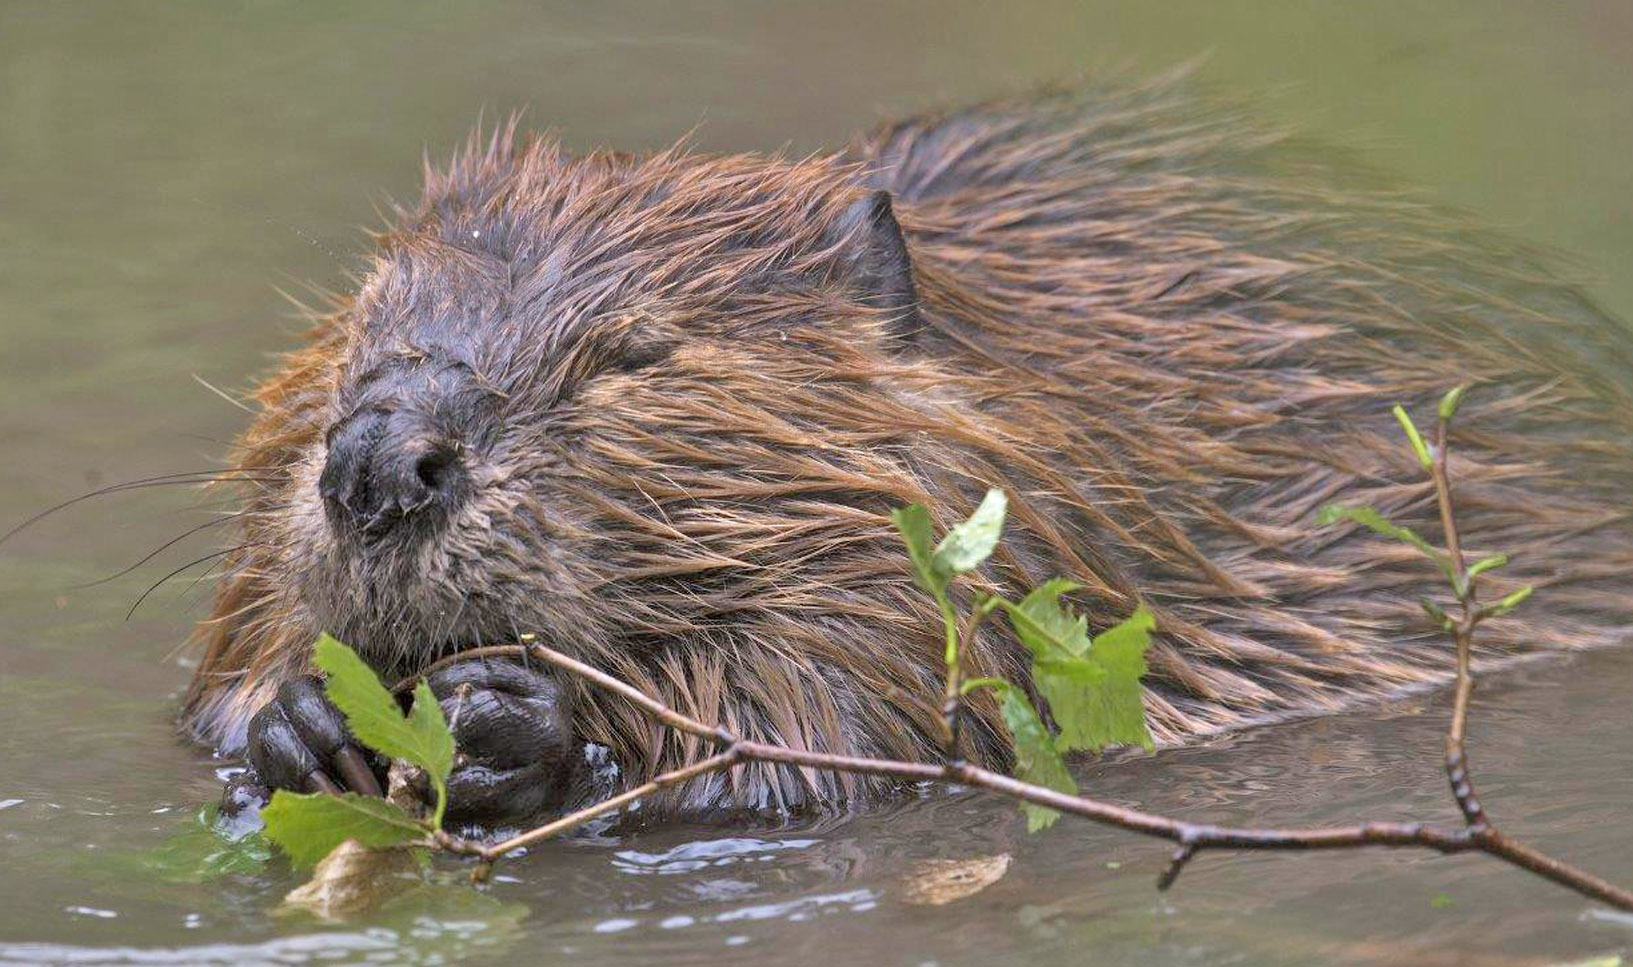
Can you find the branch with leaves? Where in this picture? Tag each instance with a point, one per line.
(308, 826)
(1092, 687)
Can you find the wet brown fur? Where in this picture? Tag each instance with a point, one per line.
(1170, 333)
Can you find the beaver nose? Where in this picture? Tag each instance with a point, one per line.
(386, 467)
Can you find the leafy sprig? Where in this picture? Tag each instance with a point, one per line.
(307, 826)
(1092, 686)
(1450, 561)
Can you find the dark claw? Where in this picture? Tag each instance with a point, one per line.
(299, 741)
(243, 796)
(355, 770)
(323, 729)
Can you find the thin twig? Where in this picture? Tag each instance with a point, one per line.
(1457, 764)
(1176, 864)
(952, 708)
(713, 763)
(1197, 836)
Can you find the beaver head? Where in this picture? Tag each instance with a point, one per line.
(651, 410)
(563, 384)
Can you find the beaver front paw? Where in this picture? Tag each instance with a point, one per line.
(513, 730)
(299, 741)
(513, 734)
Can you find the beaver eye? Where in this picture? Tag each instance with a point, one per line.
(639, 354)
(622, 356)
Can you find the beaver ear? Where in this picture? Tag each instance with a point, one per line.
(873, 259)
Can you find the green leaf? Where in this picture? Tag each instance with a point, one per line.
(970, 543)
(1097, 699)
(1378, 523)
(1510, 602)
(372, 714)
(307, 826)
(1036, 759)
(1450, 402)
(913, 521)
(1418, 446)
(432, 732)
(1437, 614)
(1044, 626)
(1487, 563)
(1093, 688)
(1117, 714)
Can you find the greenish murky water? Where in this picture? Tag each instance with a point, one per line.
(163, 167)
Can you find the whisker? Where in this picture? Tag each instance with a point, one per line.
(189, 532)
(198, 580)
(202, 438)
(225, 506)
(223, 394)
(190, 564)
(162, 480)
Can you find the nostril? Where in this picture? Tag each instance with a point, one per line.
(348, 470)
(385, 467)
(436, 471)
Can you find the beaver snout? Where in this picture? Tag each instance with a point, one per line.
(386, 468)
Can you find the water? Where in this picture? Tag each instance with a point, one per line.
(164, 167)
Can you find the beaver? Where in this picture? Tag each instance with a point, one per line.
(655, 409)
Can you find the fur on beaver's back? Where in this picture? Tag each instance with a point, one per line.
(1170, 333)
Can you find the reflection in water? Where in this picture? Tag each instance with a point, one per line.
(162, 167)
(703, 854)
